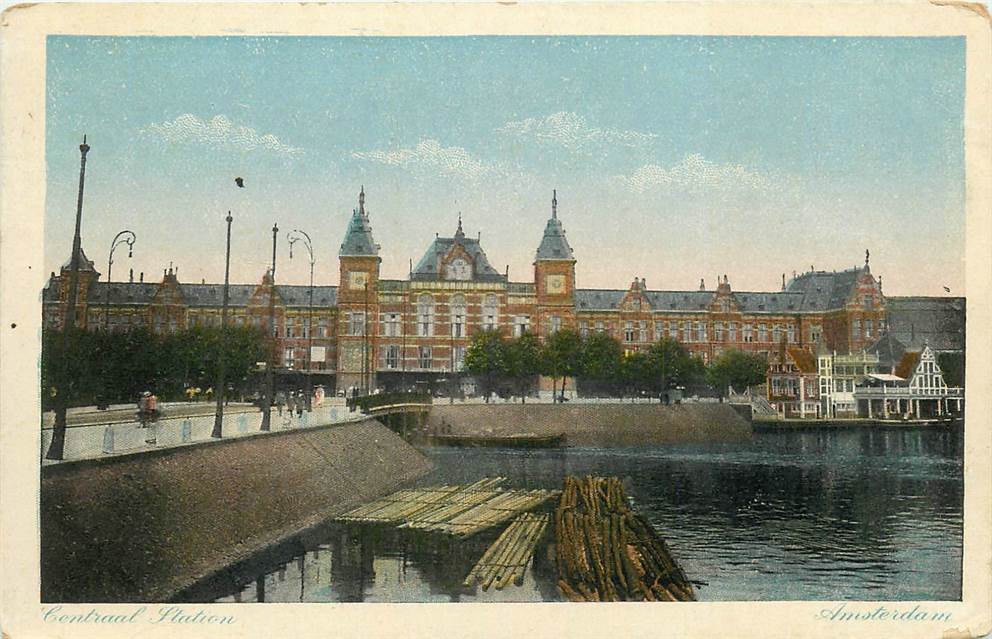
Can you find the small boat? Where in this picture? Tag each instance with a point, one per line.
(524, 440)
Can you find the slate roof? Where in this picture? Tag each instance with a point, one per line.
(823, 290)
(889, 350)
(358, 241)
(553, 245)
(750, 302)
(938, 321)
(85, 263)
(202, 295)
(427, 267)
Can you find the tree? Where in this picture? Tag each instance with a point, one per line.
(736, 369)
(561, 357)
(635, 373)
(523, 362)
(600, 361)
(485, 358)
(671, 365)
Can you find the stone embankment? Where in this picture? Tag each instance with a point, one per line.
(144, 526)
(595, 424)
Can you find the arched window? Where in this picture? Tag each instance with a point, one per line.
(425, 315)
(490, 312)
(457, 309)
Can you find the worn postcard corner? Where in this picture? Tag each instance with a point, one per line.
(336, 318)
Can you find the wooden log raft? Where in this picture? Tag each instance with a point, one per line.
(606, 552)
(506, 560)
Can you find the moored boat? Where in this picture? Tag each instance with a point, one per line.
(523, 440)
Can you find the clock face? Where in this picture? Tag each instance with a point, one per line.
(555, 284)
(458, 269)
(357, 279)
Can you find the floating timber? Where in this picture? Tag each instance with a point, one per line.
(506, 560)
(606, 552)
(500, 441)
(459, 511)
(405, 505)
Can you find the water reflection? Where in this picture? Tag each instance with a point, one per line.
(816, 514)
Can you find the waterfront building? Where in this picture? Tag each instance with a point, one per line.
(916, 389)
(791, 383)
(371, 332)
(838, 376)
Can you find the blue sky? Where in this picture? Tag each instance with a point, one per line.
(675, 158)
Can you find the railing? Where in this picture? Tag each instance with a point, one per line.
(100, 440)
(367, 403)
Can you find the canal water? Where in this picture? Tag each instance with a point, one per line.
(852, 513)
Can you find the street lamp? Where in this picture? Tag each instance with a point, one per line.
(267, 403)
(57, 447)
(221, 359)
(124, 237)
(301, 236)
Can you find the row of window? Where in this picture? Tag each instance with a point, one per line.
(392, 358)
(688, 331)
(866, 329)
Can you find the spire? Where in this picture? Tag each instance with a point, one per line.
(702, 284)
(459, 234)
(358, 238)
(554, 245)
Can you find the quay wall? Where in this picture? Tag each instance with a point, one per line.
(596, 424)
(144, 526)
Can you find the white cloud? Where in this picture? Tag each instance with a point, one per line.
(572, 131)
(220, 132)
(694, 172)
(452, 161)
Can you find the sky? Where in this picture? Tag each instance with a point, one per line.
(675, 159)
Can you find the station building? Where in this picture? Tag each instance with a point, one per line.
(372, 332)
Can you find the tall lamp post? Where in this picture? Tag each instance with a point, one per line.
(57, 447)
(218, 430)
(267, 403)
(124, 237)
(301, 236)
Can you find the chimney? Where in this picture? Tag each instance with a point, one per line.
(702, 284)
(130, 276)
(203, 280)
(142, 277)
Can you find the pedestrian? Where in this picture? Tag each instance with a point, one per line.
(280, 400)
(300, 403)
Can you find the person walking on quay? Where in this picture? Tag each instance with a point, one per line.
(300, 403)
(280, 399)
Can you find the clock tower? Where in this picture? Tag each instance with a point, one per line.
(357, 303)
(554, 277)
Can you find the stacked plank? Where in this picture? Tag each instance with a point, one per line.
(407, 505)
(607, 552)
(506, 560)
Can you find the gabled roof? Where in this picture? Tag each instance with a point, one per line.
(937, 321)
(553, 245)
(907, 365)
(428, 268)
(803, 359)
(889, 350)
(358, 241)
